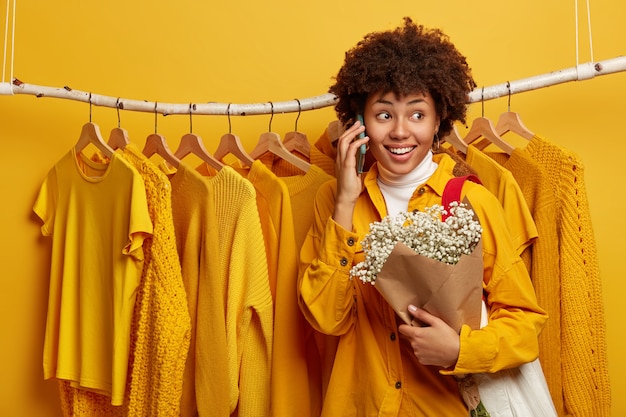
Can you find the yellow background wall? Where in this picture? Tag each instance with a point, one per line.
(251, 51)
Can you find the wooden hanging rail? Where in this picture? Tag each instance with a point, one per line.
(578, 73)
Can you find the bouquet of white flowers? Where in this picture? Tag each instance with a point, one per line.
(416, 258)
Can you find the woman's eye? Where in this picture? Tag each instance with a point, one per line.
(383, 116)
(417, 116)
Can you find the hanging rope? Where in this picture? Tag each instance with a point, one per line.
(5, 86)
(584, 71)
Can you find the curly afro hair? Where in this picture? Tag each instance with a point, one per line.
(406, 60)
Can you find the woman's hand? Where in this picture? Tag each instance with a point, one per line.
(435, 344)
(348, 181)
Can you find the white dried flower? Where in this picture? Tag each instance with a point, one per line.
(424, 232)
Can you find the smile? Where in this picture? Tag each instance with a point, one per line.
(401, 151)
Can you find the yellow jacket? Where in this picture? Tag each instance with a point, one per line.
(375, 371)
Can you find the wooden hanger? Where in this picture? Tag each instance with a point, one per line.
(90, 134)
(511, 122)
(483, 127)
(335, 129)
(156, 144)
(192, 144)
(118, 139)
(296, 140)
(454, 139)
(270, 142)
(230, 143)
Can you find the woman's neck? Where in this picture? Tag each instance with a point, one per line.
(414, 178)
(398, 189)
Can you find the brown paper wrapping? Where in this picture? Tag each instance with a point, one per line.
(451, 292)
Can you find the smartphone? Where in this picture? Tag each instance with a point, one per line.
(360, 157)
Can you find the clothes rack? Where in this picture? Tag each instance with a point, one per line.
(578, 73)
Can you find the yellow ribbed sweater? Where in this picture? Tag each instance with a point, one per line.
(289, 395)
(221, 242)
(192, 214)
(586, 386)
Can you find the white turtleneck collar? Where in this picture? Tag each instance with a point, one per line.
(398, 189)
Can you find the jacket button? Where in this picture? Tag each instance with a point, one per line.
(350, 241)
(421, 191)
(343, 262)
(392, 337)
(398, 385)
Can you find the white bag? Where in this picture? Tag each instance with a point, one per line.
(517, 392)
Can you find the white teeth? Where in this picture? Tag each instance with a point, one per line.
(400, 151)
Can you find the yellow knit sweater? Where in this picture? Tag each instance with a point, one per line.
(586, 385)
(542, 261)
(225, 271)
(289, 395)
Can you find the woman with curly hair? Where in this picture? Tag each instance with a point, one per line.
(410, 84)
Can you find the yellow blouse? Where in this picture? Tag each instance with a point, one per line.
(375, 371)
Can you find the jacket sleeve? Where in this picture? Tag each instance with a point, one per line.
(325, 290)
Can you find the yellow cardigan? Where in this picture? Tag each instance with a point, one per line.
(586, 386)
(542, 261)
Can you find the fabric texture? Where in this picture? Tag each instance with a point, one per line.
(290, 392)
(234, 309)
(196, 242)
(586, 385)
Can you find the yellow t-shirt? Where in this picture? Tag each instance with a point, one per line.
(375, 371)
(98, 218)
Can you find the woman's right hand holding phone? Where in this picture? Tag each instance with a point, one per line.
(349, 183)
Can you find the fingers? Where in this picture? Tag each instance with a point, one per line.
(423, 316)
(348, 144)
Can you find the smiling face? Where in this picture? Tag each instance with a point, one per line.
(401, 129)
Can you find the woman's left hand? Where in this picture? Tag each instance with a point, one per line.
(435, 344)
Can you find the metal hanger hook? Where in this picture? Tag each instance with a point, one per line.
(299, 112)
(482, 100)
(90, 107)
(191, 106)
(117, 108)
(155, 117)
(271, 117)
(228, 114)
(508, 87)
